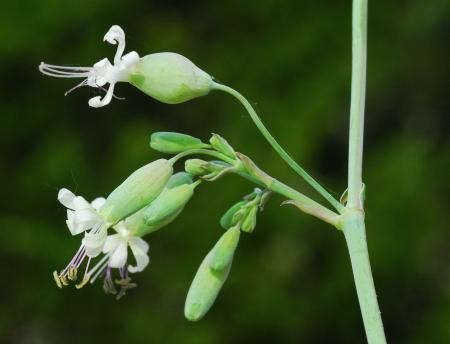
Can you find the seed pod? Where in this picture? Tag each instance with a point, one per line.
(222, 146)
(138, 190)
(170, 78)
(227, 221)
(249, 223)
(223, 252)
(204, 289)
(173, 143)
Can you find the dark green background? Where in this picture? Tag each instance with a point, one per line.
(291, 281)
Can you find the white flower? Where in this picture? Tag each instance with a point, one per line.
(116, 247)
(102, 72)
(83, 216)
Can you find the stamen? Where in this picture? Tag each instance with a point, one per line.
(108, 284)
(57, 280)
(72, 273)
(81, 84)
(82, 283)
(98, 268)
(65, 72)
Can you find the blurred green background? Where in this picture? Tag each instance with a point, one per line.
(291, 281)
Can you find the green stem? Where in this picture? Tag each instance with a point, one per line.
(358, 92)
(355, 236)
(352, 223)
(283, 154)
(203, 152)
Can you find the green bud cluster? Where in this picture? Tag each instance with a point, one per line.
(243, 214)
(208, 170)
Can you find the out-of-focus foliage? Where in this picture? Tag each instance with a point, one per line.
(291, 280)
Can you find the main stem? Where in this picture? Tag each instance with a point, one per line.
(353, 224)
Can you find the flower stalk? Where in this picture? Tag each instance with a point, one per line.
(352, 223)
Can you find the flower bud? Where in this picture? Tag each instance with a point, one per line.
(227, 221)
(204, 289)
(173, 143)
(138, 190)
(249, 222)
(221, 145)
(164, 209)
(197, 167)
(170, 78)
(223, 252)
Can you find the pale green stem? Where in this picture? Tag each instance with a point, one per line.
(355, 236)
(283, 154)
(353, 219)
(204, 152)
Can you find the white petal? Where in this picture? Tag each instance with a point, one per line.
(118, 257)
(66, 197)
(111, 243)
(139, 248)
(80, 203)
(98, 203)
(94, 242)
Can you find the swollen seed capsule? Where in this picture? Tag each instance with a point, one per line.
(227, 219)
(223, 252)
(173, 143)
(170, 78)
(204, 289)
(138, 190)
(163, 210)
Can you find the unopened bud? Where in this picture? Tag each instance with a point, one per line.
(173, 143)
(222, 146)
(227, 221)
(204, 289)
(196, 167)
(223, 252)
(249, 222)
(138, 190)
(170, 78)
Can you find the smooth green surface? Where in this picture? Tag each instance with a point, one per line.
(291, 278)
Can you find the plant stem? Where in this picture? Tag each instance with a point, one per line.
(358, 92)
(355, 236)
(352, 223)
(283, 154)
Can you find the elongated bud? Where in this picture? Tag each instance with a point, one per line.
(222, 146)
(223, 252)
(173, 143)
(249, 222)
(204, 289)
(163, 210)
(138, 190)
(170, 78)
(227, 221)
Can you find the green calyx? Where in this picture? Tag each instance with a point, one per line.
(173, 143)
(165, 208)
(221, 145)
(170, 78)
(138, 190)
(211, 275)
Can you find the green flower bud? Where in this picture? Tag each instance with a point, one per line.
(170, 78)
(227, 221)
(138, 190)
(163, 210)
(204, 289)
(197, 167)
(222, 146)
(223, 252)
(249, 223)
(173, 143)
